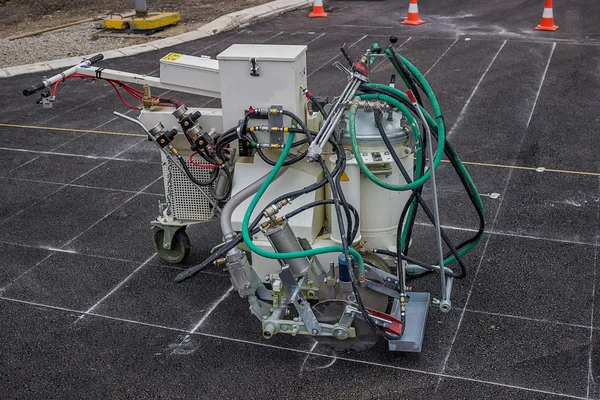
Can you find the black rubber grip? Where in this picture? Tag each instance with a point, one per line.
(34, 89)
(96, 58)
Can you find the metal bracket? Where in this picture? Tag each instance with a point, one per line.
(353, 311)
(297, 298)
(341, 67)
(276, 121)
(376, 287)
(168, 235)
(314, 260)
(255, 67)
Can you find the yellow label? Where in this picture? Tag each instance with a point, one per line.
(171, 57)
(344, 178)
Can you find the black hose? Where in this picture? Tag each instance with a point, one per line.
(359, 302)
(452, 157)
(320, 108)
(191, 177)
(378, 116)
(227, 192)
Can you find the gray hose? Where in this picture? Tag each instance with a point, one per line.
(235, 201)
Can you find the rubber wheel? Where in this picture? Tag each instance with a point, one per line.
(180, 246)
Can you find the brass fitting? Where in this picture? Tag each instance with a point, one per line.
(221, 261)
(361, 246)
(174, 151)
(147, 99)
(265, 224)
(276, 129)
(361, 279)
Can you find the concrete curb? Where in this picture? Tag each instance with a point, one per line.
(227, 22)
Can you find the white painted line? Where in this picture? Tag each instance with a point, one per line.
(62, 187)
(332, 59)
(106, 296)
(317, 38)
(441, 375)
(543, 321)
(110, 212)
(3, 289)
(442, 56)
(541, 84)
(210, 310)
(311, 352)
(177, 347)
(79, 186)
(470, 292)
(68, 141)
(54, 153)
(376, 68)
(515, 235)
(590, 376)
(155, 264)
(315, 344)
(73, 311)
(462, 112)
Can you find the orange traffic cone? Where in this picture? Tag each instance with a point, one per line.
(318, 11)
(547, 19)
(413, 14)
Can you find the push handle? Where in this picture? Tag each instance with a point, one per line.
(34, 89)
(96, 58)
(48, 82)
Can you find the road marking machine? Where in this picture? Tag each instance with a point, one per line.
(316, 199)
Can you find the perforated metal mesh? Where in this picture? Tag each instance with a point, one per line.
(185, 200)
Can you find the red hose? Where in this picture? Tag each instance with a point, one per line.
(209, 166)
(133, 92)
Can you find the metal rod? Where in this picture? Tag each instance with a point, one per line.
(436, 209)
(39, 32)
(316, 147)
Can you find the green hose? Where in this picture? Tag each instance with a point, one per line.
(357, 154)
(296, 254)
(435, 127)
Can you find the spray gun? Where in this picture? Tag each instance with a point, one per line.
(358, 74)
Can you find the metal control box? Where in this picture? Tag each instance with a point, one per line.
(191, 72)
(261, 76)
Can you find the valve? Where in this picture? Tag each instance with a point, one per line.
(166, 137)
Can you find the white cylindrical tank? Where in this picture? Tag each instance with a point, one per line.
(380, 209)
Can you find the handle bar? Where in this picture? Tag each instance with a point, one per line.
(51, 81)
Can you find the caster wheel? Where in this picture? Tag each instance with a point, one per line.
(180, 246)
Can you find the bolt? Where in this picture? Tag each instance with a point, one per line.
(314, 331)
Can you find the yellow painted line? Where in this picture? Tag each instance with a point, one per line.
(50, 128)
(537, 169)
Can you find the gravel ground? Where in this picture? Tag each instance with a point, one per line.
(68, 42)
(22, 16)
